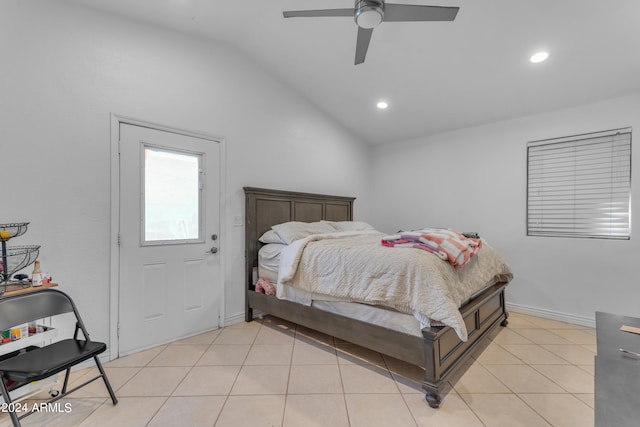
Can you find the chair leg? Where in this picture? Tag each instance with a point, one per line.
(66, 381)
(106, 381)
(10, 406)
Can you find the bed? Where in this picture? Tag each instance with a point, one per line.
(437, 349)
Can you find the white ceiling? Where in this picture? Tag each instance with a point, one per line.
(436, 76)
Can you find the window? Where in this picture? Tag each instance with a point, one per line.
(172, 196)
(580, 186)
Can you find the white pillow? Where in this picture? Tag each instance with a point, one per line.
(270, 236)
(271, 251)
(350, 225)
(291, 231)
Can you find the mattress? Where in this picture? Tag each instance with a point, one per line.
(268, 262)
(379, 316)
(267, 273)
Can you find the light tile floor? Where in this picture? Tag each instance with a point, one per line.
(535, 372)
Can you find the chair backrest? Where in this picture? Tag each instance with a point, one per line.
(23, 308)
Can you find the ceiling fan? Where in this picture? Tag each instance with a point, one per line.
(368, 14)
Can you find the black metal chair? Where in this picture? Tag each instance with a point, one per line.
(37, 363)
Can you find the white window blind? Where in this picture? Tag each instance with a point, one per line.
(580, 186)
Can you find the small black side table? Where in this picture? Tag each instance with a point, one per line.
(617, 383)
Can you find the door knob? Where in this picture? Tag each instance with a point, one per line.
(213, 250)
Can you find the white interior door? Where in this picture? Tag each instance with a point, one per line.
(169, 284)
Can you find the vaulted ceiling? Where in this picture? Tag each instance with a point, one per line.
(435, 76)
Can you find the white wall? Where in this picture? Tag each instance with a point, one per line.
(65, 69)
(475, 180)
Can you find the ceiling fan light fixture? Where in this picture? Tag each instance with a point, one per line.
(369, 14)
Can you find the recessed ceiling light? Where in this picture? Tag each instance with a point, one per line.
(382, 105)
(538, 57)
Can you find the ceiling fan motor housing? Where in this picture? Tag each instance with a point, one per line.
(369, 13)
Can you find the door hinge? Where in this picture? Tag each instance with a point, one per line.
(118, 330)
(118, 238)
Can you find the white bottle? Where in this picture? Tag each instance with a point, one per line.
(24, 330)
(36, 276)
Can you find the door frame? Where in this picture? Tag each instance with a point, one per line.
(114, 272)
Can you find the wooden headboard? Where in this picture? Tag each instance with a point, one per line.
(265, 208)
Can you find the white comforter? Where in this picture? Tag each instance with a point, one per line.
(355, 267)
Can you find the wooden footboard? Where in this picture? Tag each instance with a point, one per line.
(439, 351)
(445, 352)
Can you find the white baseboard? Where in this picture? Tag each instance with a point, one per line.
(553, 315)
(105, 357)
(236, 318)
(240, 317)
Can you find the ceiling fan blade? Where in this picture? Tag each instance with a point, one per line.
(410, 12)
(318, 13)
(362, 44)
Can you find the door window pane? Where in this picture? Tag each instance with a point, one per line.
(172, 208)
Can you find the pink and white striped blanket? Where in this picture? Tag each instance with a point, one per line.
(448, 245)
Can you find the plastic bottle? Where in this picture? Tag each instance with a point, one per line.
(36, 276)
